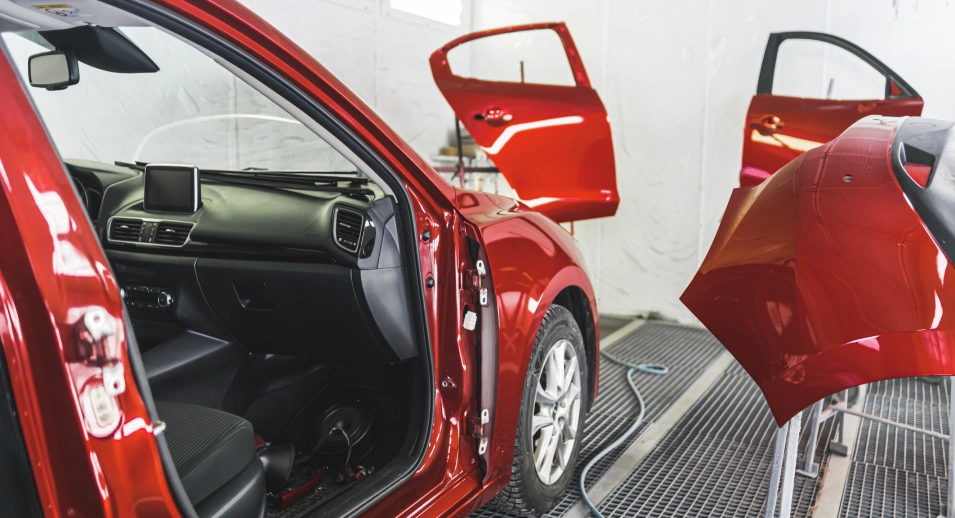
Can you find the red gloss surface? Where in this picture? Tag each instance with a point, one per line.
(556, 149)
(541, 260)
(918, 172)
(806, 123)
(817, 284)
(53, 268)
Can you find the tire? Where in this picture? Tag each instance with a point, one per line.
(528, 493)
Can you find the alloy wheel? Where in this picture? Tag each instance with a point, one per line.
(556, 412)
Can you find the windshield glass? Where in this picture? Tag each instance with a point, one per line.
(192, 111)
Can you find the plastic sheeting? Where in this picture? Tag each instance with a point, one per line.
(192, 111)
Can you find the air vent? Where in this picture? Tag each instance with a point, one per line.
(348, 225)
(125, 230)
(172, 233)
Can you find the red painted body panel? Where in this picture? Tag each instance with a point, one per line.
(803, 124)
(551, 142)
(532, 260)
(53, 268)
(817, 281)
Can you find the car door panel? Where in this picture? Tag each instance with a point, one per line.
(54, 286)
(780, 128)
(552, 143)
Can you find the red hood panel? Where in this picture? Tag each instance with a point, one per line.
(824, 277)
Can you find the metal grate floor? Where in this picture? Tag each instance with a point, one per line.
(715, 461)
(896, 472)
(685, 350)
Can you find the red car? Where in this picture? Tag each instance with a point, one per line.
(227, 288)
(780, 127)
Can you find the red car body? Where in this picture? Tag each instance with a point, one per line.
(836, 271)
(53, 269)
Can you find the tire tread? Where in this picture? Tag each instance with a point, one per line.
(513, 499)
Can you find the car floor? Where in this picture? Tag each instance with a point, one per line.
(706, 445)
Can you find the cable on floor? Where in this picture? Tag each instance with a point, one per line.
(649, 368)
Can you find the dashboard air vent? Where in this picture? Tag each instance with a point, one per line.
(125, 230)
(348, 225)
(172, 233)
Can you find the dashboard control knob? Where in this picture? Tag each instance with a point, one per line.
(164, 299)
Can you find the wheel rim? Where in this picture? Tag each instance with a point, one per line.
(556, 412)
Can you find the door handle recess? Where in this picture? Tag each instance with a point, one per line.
(495, 116)
(768, 125)
(865, 107)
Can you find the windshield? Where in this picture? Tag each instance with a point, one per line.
(192, 111)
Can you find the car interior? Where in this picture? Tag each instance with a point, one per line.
(262, 266)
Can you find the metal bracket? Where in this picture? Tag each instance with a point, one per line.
(482, 437)
(114, 380)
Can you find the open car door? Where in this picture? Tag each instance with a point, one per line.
(550, 141)
(780, 126)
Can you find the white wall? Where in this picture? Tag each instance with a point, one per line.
(676, 78)
(380, 53)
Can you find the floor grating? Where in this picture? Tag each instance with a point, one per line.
(894, 472)
(686, 350)
(715, 461)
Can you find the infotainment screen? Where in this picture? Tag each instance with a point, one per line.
(171, 188)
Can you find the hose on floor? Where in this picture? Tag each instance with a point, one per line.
(649, 368)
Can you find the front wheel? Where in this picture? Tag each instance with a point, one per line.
(551, 422)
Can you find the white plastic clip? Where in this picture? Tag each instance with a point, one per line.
(480, 267)
(483, 296)
(470, 320)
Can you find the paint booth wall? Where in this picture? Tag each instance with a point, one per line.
(381, 54)
(676, 78)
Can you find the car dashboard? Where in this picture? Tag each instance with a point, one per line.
(275, 270)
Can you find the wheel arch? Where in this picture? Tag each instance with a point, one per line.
(575, 300)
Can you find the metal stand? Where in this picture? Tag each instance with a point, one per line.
(783, 469)
(817, 416)
(950, 507)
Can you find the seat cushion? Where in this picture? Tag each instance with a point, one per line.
(208, 447)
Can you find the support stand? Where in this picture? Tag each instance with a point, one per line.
(817, 416)
(949, 510)
(783, 469)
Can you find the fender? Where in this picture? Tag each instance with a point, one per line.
(532, 259)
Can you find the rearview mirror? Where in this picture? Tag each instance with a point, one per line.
(54, 70)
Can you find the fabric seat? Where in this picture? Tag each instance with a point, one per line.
(210, 450)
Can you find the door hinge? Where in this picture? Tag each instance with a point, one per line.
(477, 429)
(474, 280)
(98, 348)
